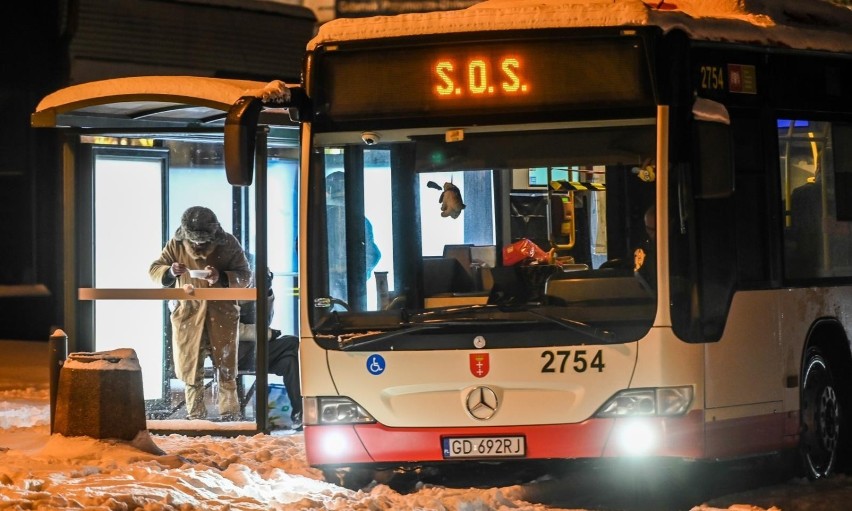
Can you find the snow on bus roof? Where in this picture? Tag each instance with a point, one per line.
(802, 24)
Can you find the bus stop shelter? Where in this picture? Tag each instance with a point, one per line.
(132, 149)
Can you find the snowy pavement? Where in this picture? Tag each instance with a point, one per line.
(259, 472)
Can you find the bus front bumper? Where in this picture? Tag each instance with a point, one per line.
(680, 437)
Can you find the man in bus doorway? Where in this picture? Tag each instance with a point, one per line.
(204, 328)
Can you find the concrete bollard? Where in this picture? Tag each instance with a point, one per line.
(100, 395)
(58, 348)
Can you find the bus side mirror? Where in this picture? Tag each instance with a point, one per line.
(714, 146)
(240, 136)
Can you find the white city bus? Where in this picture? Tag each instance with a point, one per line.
(483, 275)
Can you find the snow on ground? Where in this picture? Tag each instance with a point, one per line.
(261, 472)
(43, 471)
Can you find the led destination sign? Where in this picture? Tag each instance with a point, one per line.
(465, 78)
(476, 77)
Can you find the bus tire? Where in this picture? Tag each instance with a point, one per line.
(821, 417)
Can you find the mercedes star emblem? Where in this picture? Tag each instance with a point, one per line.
(482, 403)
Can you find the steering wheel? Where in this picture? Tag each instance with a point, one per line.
(616, 263)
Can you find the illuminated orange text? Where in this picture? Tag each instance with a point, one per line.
(480, 77)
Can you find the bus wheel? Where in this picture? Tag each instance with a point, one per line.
(821, 416)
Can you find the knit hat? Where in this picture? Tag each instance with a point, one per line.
(198, 225)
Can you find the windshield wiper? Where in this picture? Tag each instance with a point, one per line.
(435, 319)
(361, 339)
(579, 327)
(509, 313)
(466, 316)
(446, 313)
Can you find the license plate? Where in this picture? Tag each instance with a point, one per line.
(484, 447)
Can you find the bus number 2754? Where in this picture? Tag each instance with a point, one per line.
(579, 361)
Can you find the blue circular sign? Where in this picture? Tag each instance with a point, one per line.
(375, 364)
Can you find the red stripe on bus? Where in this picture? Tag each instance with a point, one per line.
(594, 438)
(734, 438)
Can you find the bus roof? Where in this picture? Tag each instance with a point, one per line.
(810, 24)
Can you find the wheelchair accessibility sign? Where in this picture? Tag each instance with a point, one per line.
(376, 364)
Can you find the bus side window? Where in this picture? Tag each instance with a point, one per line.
(842, 148)
(815, 169)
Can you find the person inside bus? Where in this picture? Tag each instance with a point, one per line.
(282, 351)
(645, 255)
(805, 251)
(204, 328)
(337, 242)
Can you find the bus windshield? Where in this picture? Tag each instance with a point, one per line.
(484, 225)
(545, 226)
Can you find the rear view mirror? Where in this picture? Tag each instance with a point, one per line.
(240, 135)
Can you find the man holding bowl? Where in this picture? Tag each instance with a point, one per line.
(200, 248)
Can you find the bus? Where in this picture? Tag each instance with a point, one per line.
(536, 232)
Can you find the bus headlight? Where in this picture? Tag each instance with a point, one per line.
(335, 410)
(636, 437)
(660, 402)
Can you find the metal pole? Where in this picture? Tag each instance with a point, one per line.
(261, 282)
(58, 349)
